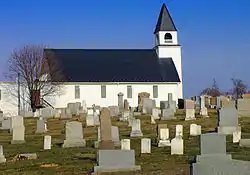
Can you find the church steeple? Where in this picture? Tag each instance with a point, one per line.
(165, 22)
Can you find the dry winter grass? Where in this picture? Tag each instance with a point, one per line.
(81, 160)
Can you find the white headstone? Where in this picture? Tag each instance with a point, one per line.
(74, 135)
(84, 106)
(236, 136)
(145, 145)
(136, 128)
(203, 112)
(177, 146)
(152, 120)
(179, 130)
(90, 120)
(90, 112)
(194, 130)
(125, 116)
(202, 101)
(18, 133)
(16, 121)
(199, 129)
(2, 158)
(47, 142)
(125, 144)
(156, 113)
(164, 138)
(190, 114)
(97, 111)
(41, 126)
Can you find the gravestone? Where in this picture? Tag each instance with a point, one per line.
(74, 107)
(114, 111)
(177, 147)
(145, 146)
(208, 145)
(106, 142)
(47, 142)
(163, 105)
(74, 135)
(18, 133)
(96, 118)
(114, 133)
(141, 97)
(228, 120)
(214, 160)
(203, 109)
(82, 115)
(120, 101)
(125, 144)
(6, 124)
(190, 114)
(136, 128)
(130, 121)
(195, 130)
(167, 114)
(179, 130)
(2, 158)
(16, 121)
(218, 102)
(156, 113)
(116, 160)
(47, 112)
(236, 136)
(84, 106)
(152, 120)
(159, 127)
(243, 106)
(65, 113)
(171, 103)
(148, 105)
(125, 115)
(188, 104)
(244, 143)
(90, 121)
(164, 138)
(126, 105)
(41, 126)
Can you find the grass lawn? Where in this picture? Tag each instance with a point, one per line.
(81, 160)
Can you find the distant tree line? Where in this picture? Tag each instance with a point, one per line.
(239, 88)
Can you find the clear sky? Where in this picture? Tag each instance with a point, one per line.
(215, 34)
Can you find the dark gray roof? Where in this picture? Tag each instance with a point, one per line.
(165, 22)
(112, 65)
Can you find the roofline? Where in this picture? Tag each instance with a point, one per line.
(175, 45)
(99, 49)
(115, 83)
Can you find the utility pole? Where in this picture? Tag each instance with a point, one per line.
(18, 91)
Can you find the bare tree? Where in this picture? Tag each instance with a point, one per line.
(239, 88)
(30, 64)
(212, 91)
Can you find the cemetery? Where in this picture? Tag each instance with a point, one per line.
(118, 111)
(123, 140)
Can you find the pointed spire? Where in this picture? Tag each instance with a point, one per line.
(165, 22)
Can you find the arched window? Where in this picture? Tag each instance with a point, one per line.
(168, 38)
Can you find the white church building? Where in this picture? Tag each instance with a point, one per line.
(98, 75)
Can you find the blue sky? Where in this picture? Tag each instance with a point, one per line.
(214, 33)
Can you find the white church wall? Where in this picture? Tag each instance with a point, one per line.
(92, 94)
(173, 52)
(9, 99)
